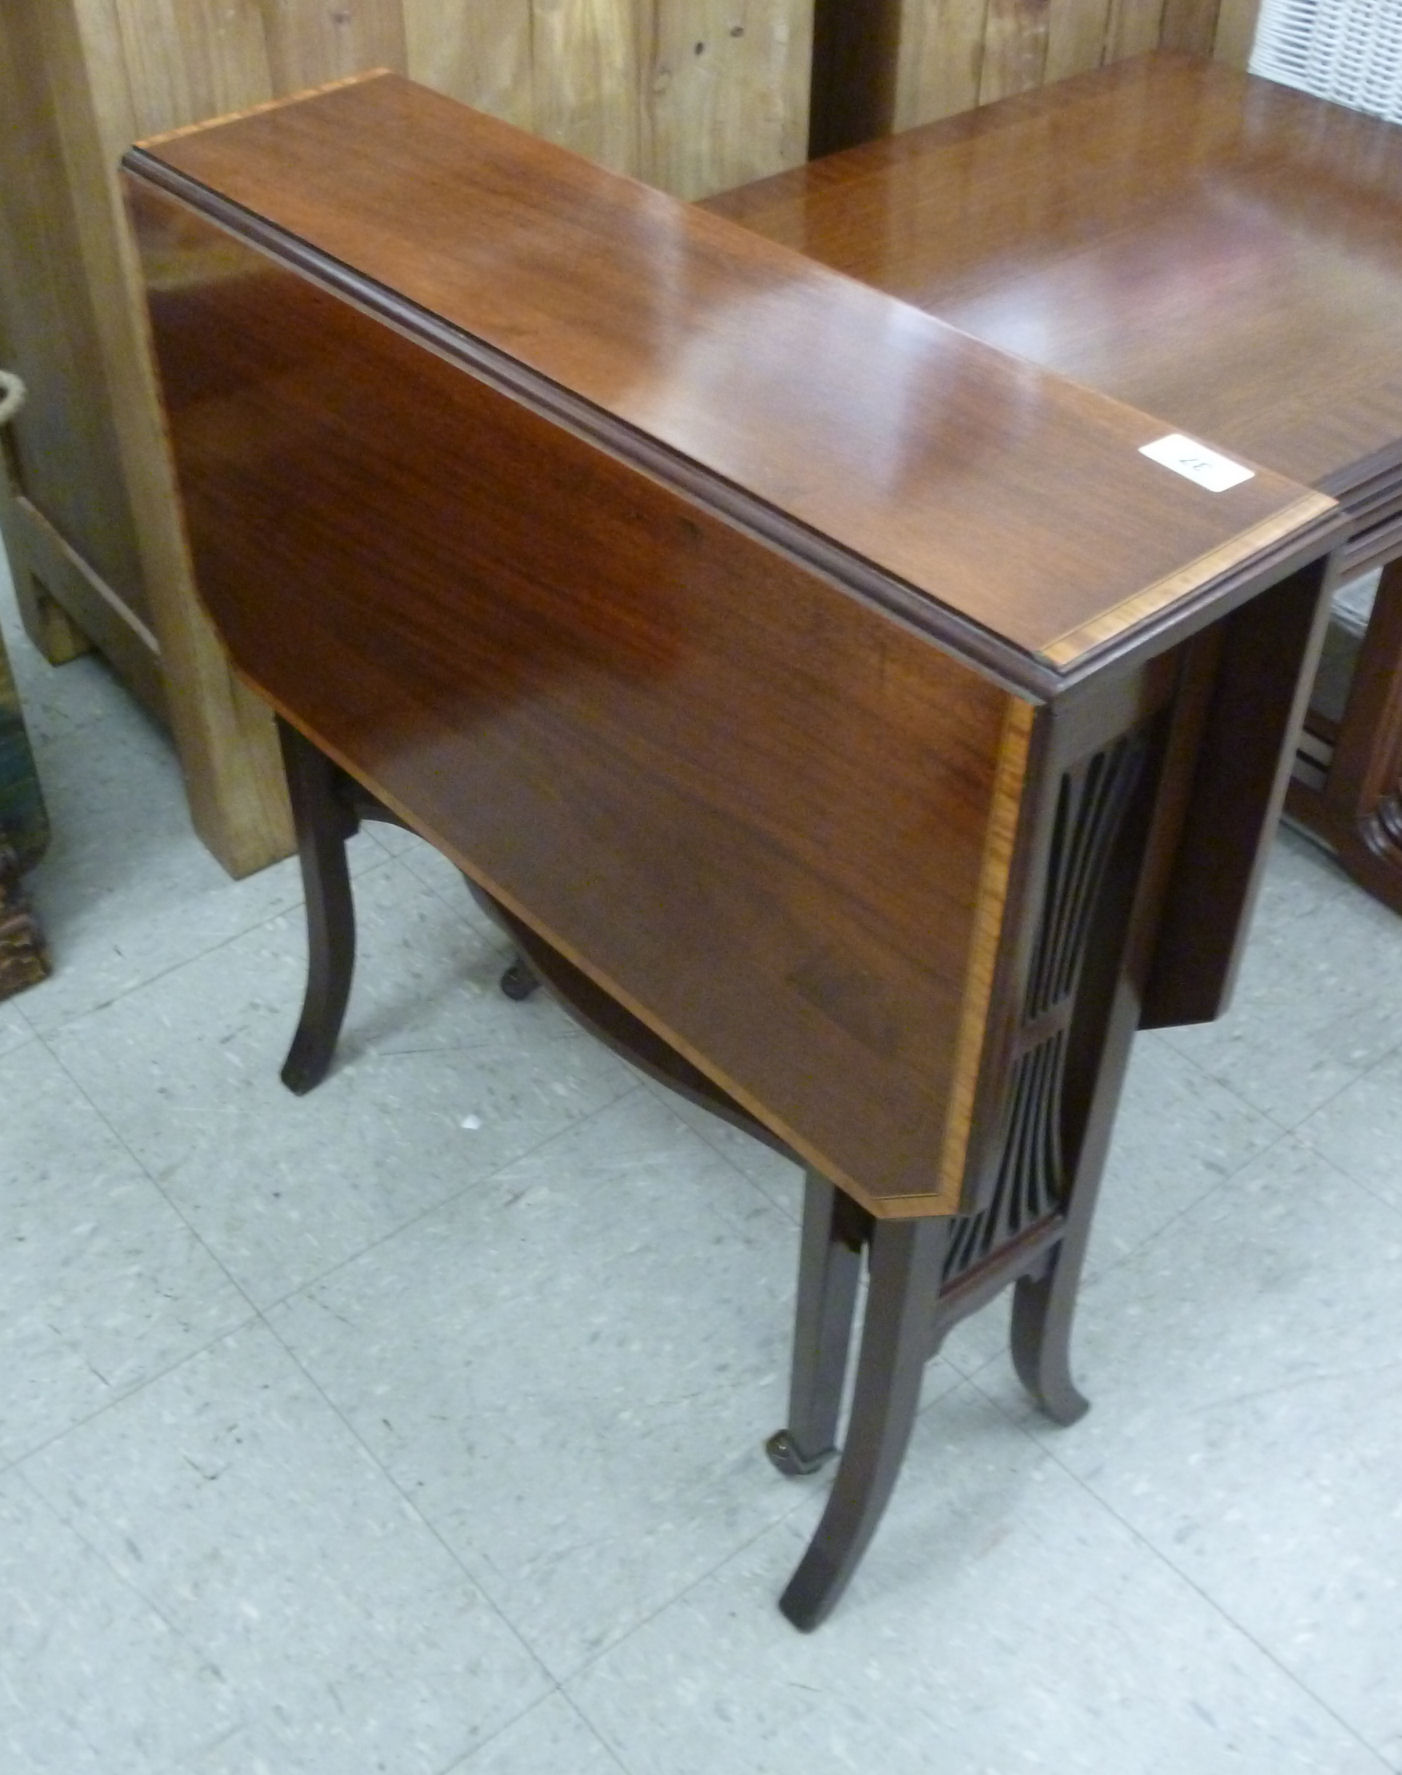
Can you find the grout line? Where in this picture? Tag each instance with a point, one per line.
(120, 1397)
(149, 1174)
(1093, 1280)
(259, 1316)
(1211, 1190)
(610, 1750)
(463, 1765)
(293, 908)
(687, 1589)
(1366, 1184)
(1163, 1558)
(97, 1553)
(415, 1510)
(435, 1207)
(1225, 1084)
(669, 1099)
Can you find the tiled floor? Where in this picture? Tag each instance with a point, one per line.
(415, 1426)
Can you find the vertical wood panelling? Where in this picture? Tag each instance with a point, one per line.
(940, 59)
(951, 55)
(64, 446)
(1014, 48)
(622, 81)
(308, 45)
(693, 95)
(1236, 31)
(477, 50)
(1189, 25)
(102, 90)
(1134, 28)
(724, 92)
(1076, 37)
(188, 59)
(585, 70)
(102, 73)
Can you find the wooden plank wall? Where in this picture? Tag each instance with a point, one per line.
(692, 95)
(892, 64)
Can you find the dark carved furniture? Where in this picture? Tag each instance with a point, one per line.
(1213, 248)
(846, 720)
(24, 832)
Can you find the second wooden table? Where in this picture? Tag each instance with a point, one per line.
(1213, 248)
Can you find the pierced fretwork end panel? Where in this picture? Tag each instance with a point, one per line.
(1030, 1171)
(1093, 799)
(1090, 807)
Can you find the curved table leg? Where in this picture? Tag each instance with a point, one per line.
(1043, 1309)
(906, 1259)
(323, 825)
(835, 1230)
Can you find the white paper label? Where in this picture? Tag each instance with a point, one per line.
(1196, 462)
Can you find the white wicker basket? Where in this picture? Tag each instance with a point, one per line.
(1346, 50)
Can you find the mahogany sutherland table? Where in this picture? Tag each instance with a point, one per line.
(1214, 248)
(847, 719)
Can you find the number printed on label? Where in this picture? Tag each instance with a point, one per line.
(1196, 462)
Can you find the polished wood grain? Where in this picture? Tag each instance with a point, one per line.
(694, 649)
(698, 768)
(876, 427)
(92, 527)
(989, 933)
(1219, 249)
(1068, 648)
(528, 520)
(1124, 228)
